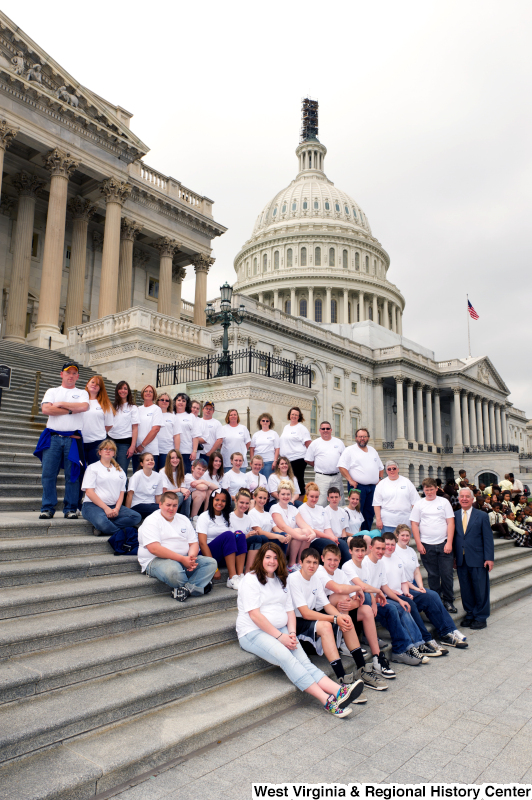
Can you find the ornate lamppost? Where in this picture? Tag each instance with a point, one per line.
(225, 317)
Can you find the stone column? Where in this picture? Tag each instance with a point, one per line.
(420, 419)
(327, 315)
(27, 186)
(375, 309)
(498, 427)
(310, 310)
(81, 210)
(430, 428)
(116, 193)
(473, 420)
(437, 418)
(202, 265)
(504, 421)
(457, 433)
(385, 314)
(486, 426)
(399, 321)
(394, 320)
(378, 421)
(261, 297)
(346, 304)
(491, 413)
(361, 306)
(60, 165)
(7, 134)
(166, 248)
(465, 420)
(293, 309)
(129, 229)
(401, 441)
(411, 431)
(178, 273)
(480, 431)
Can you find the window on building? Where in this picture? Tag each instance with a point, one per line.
(354, 387)
(334, 311)
(265, 262)
(331, 256)
(294, 206)
(316, 205)
(314, 417)
(358, 312)
(305, 205)
(374, 266)
(153, 288)
(318, 310)
(354, 427)
(317, 256)
(355, 213)
(357, 260)
(289, 257)
(337, 207)
(276, 260)
(287, 307)
(349, 312)
(370, 314)
(255, 266)
(327, 206)
(336, 382)
(367, 263)
(303, 308)
(362, 217)
(283, 210)
(274, 214)
(346, 210)
(344, 259)
(337, 424)
(313, 375)
(35, 245)
(303, 256)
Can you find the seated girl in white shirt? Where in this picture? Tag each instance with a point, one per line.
(284, 516)
(283, 472)
(200, 486)
(173, 475)
(215, 470)
(263, 527)
(233, 480)
(218, 541)
(145, 487)
(254, 478)
(104, 484)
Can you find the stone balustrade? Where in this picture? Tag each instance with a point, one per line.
(170, 187)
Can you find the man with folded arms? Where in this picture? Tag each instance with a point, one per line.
(324, 454)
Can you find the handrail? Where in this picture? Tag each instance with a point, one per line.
(35, 406)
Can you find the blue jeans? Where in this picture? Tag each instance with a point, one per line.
(366, 505)
(184, 505)
(91, 451)
(121, 455)
(295, 664)
(388, 529)
(127, 518)
(174, 574)
(409, 624)
(51, 464)
(389, 617)
(145, 509)
(321, 544)
(430, 602)
(416, 616)
(267, 469)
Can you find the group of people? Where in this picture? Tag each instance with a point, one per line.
(313, 573)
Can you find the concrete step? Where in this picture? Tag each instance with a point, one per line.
(14, 491)
(44, 671)
(15, 456)
(21, 477)
(21, 525)
(32, 503)
(47, 570)
(53, 548)
(31, 467)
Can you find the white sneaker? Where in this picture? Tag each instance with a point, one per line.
(460, 635)
(233, 583)
(240, 576)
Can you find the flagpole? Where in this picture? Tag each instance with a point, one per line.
(468, 331)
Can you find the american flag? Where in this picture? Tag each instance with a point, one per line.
(472, 313)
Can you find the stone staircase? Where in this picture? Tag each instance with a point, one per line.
(103, 676)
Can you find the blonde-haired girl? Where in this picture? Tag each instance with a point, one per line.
(104, 484)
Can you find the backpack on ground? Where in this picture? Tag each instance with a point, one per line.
(125, 542)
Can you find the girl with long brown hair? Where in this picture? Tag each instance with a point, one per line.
(126, 424)
(98, 420)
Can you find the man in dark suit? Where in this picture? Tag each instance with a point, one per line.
(474, 558)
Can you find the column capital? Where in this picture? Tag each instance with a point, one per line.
(7, 134)
(399, 378)
(58, 162)
(428, 388)
(178, 273)
(166, 246)
(378, 381)
(115, 191)
(329, 368)
(202, 263)
(347, 372)
(129, 229)
(457, 389)
(6, 205)
(27, 185)
(81, 208)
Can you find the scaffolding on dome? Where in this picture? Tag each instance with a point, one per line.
(309, 119)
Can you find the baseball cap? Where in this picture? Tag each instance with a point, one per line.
(69, 365)
(208, 403)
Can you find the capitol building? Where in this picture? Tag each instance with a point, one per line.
(95, 243)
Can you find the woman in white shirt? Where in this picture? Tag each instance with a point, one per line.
(236, 439)
(125, 425)
(295, 439)
(145, 487)
(263, 527)
(190, 428)
(168, 437)
(265, 443)
(234, 479)
(98, 420)
(173, 475)
(254, 476)
(217, 540)
(150, 422)
(355, 517)
(266, 627)
(284, 517)
(215, 469)
(104, 484)
(283, 472)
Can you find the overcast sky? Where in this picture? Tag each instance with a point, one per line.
(425, 108)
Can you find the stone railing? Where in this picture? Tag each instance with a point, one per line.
(170, 187)
(454, 363)
(152, 176)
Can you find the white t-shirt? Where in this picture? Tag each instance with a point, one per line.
(273, 600)
(396, 499)
(325, 454)
(169, 427)
(214, 478)
(233, 481)
(145, 488)
(190, 429)
(363, 467)
(432, 518)
(292, 442)
(106, 484)
(124, 419)
(338, 577)
(306, 593)
(66, 422)
(374, 574)
(242, 524)
(177, 535)
(395, 572)
(94, 422)
(351, 571)
(337, 520)
(264, 444)
(211, 431)
(289, 514)
(149, 416)
(170, 485)
(262, 520)
(274, 481)
(314, 517)
(410, 560)
(354, 521)
(211, 527)
(253, 482)
(235, 440)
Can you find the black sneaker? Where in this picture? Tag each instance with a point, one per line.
(382, 668)
(428, 650)
(207, 588)
(452, 640)
(449, 607)
(181, 594)
(71, 515)
(46, 515)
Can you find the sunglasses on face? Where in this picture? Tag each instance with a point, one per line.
(325, 429)
(391, 469)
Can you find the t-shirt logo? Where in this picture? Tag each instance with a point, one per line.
(440, 508)
(403, 487)
(75, 396)
(183, 530)
(314, 591)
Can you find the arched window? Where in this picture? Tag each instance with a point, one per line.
(289, 257)
(355, 213)
(276, 260)
(274, 214)
(346, 210)
(305, 205)
(379, 317)
(421, 473)
(303, 308)
(331, 256)
(357, 260)
(317, 256)
(334, 311)
(255, 266)
(344, 259)
(314, 417)
(370, 315)
(349, 312)
(264, 262)
(337, 207)
(316, 205)
(327, 206)
(303, 256)
(374, 266)
(367, 263)
(294, 206)
(287, 307)
(283, 210)
(318, 310)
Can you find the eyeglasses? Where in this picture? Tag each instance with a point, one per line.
(162, 400)
(391, 469)
(325, 429)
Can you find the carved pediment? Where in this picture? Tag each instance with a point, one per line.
(483, 370)
(34, 73)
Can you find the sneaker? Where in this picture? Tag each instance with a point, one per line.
(332, 707)
(406, 658)
(373, 681)
(452, 640)
(181, 594)
(460, 635)
(426, 649)
(416, 652)
(380, 642)
(348, 693)
(232, 583)
(381, 667)
(434, 643)
(46, 515)
(348, 678)
(207, 588)
(71, 515)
